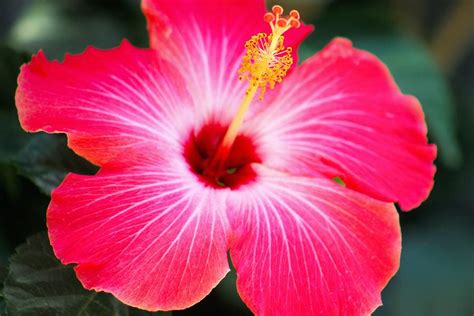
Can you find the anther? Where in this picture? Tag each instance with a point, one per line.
(282, 22)
(295, 24)
(267, 60)
(269, 17)
(295, 14)
(277, 9)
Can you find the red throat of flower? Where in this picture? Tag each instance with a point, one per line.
(265, 64)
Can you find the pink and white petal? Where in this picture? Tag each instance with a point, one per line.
(106, 101)
(205, 39)
(342, 111)
(306, 246)
(148, 234)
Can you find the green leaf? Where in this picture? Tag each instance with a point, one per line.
(46, 160)
(38, 284)
(12, 137)
(407, 58)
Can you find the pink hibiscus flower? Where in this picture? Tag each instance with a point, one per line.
(184, 179)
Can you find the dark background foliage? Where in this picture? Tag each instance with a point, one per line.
(427, 44)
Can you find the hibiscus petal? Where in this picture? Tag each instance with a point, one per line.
(205, 39)
(106, 101)
(342, 111)
(311, 247)
(148, 234)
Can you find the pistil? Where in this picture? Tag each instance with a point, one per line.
(265, 63)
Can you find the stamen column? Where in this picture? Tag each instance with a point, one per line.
(266, 63)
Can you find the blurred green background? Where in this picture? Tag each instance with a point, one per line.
(427, 44)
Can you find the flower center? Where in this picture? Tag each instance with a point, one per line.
(265, 63)
(236, 170)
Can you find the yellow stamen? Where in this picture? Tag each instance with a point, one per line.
(265, 64)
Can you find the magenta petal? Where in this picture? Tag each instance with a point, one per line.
(205, 39)
(235, 19)
(342, 113)
(106, 101)
(306, 246)
(148, 234)
(181, 28)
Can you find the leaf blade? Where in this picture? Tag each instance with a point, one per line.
(46, 160)
(38, 284)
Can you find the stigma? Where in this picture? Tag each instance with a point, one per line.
(267, 60)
